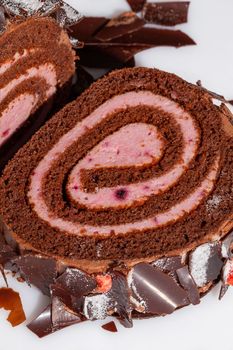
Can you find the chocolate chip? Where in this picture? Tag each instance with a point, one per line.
(155, 290)
(110, 326)
(121, 194)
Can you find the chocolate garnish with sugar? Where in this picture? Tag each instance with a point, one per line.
(205, 263)
(166, 13)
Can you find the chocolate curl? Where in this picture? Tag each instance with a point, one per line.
(155, 290)
(166, 13)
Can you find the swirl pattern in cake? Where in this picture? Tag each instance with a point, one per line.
(138, 167)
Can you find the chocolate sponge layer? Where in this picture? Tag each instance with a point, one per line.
(198, 226)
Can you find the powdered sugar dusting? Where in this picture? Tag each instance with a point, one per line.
(213, 203)
(96, 307)
(198, 263)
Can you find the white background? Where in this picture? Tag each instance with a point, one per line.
(203, 327)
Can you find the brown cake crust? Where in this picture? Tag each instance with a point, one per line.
(81, 250)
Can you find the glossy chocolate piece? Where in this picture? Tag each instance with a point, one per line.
(157, 291)
(62, 316)
(86, 29)
(124, 24)
(120, 299)
(155, 37)
(187, 282)
(42, 324)
(110, 327)
(37, 270)
(136, 5)
(166, 13)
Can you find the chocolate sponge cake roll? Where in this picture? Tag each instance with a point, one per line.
(139, 167)
(36, 62)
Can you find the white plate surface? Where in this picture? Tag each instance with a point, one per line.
(209, 325)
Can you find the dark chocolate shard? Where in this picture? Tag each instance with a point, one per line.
(155, 37)
(110, 327)
(11, 301)
(227, 246)
(108, 57)
(61, 315)
(42, 324)
(230, 101)
(168, 264)
(205, 263)
(136, 5)
(157, 291)
(37, 270)
(124, 24)
(120, 299)
(87, 27)
(226, 277)
(166, 13)
(76, 282)
(187, 282)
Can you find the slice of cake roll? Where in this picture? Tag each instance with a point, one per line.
(133, 179)
(36, 63)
